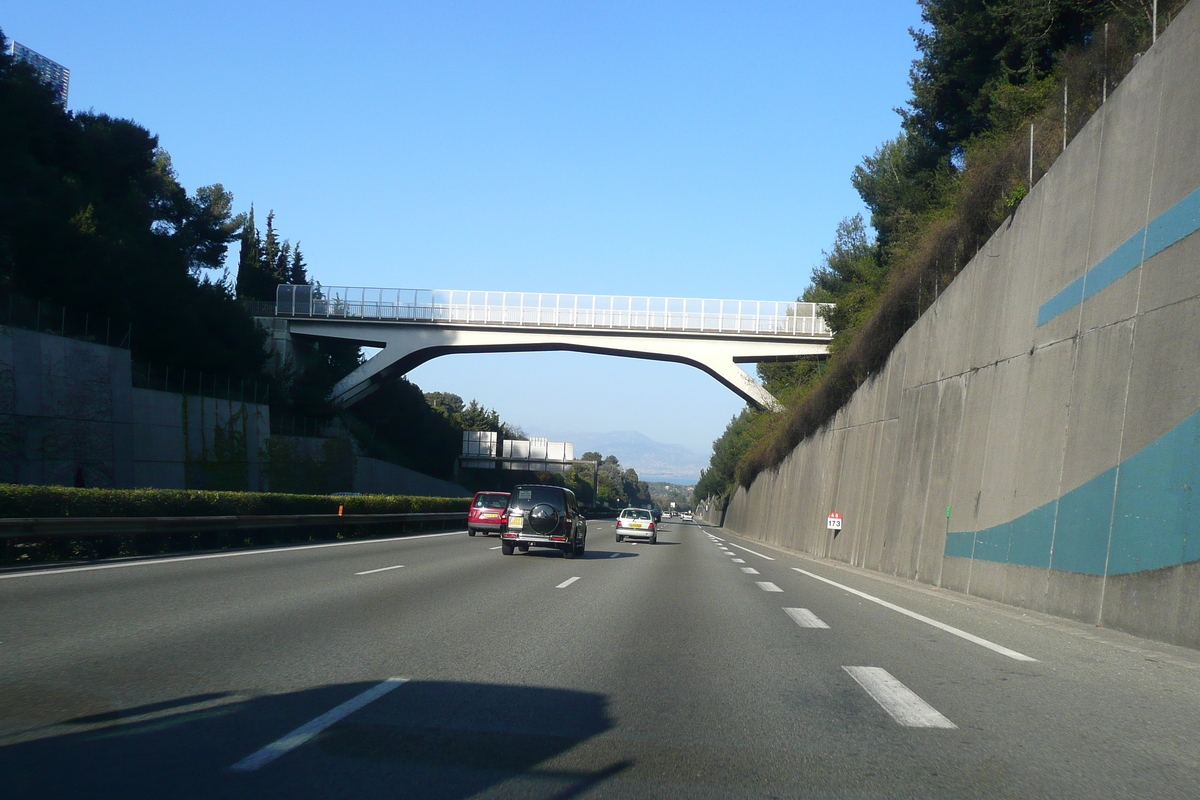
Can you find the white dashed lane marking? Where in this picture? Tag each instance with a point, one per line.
(153, 562)
(751, 552)
(305, 732)
(497, 547)
(750, 570)
(381, 569)
(805, 618)
(567, 582)
(901, 703)
(737, 561)
(767, 586)
(970, 637)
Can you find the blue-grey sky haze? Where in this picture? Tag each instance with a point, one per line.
(698, 149)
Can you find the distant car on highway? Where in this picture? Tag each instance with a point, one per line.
(657, 514)
(687, 516)
(544, 516)
(636, 523)
(489, 513)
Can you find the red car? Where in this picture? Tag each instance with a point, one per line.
(489, 513)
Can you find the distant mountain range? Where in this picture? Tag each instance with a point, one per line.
(654, 461)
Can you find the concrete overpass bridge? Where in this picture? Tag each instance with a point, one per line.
(416, 325)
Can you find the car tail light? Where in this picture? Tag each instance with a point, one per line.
(558, 538)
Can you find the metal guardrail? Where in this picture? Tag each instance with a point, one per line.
(555, 310)
(15, 528)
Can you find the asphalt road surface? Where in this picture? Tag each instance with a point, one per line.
(433, 666)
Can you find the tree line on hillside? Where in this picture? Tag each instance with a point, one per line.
(986, 70)
(618, 487)
(93, 217)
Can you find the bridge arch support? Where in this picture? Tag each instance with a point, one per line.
(408, 345)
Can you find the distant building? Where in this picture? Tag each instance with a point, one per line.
(51, 72)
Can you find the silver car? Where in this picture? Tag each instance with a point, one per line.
(636, 523)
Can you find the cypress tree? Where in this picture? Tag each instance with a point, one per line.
(249, 283)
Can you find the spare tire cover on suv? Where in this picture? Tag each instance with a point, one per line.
(543, 518)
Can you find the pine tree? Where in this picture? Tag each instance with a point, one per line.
(270, 247)
(298, 274)
(281, 270)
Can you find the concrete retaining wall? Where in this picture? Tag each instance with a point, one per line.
(69, 415)
(1035, 437)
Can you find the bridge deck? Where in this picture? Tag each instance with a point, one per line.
(535, 309)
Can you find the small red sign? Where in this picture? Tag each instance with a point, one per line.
(835, 522)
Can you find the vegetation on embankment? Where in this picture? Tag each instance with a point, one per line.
(960, 165)
(57, 502)
(62, 501)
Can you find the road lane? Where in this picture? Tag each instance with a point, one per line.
(656, 670)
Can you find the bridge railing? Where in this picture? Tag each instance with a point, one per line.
(554, 310)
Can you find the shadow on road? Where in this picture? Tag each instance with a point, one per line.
(424, 739)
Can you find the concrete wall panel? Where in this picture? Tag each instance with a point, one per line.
(1099, 381)
(1165, 278)
(1164, 385)
(1064, 248)
(1002, 458)
(1043, 436)
(935, 523)
(1174, 54)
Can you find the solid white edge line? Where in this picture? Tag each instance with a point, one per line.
(750, 571)
(901, 703)
(235, 554)
(970, 637)
(567, 582)
(767, 586)
(751, 552)
(381, 569)
(805, 618)
(305, 732)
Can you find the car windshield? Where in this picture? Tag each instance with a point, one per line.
(530, 496)
(491, 501)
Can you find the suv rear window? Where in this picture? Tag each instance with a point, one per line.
(491, 501)
(529, 496)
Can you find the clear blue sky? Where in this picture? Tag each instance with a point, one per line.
(650, 148)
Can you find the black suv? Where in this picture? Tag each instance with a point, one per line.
(544, 516)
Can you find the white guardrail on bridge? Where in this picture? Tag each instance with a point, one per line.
(555, 310)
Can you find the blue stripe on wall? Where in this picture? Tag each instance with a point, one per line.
(1153, 516)
(1149, 515)
(1177, 222)
(960, 543)
(1084, 519)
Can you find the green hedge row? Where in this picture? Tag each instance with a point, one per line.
(63, 501)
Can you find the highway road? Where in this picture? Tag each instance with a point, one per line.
(433, 666)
